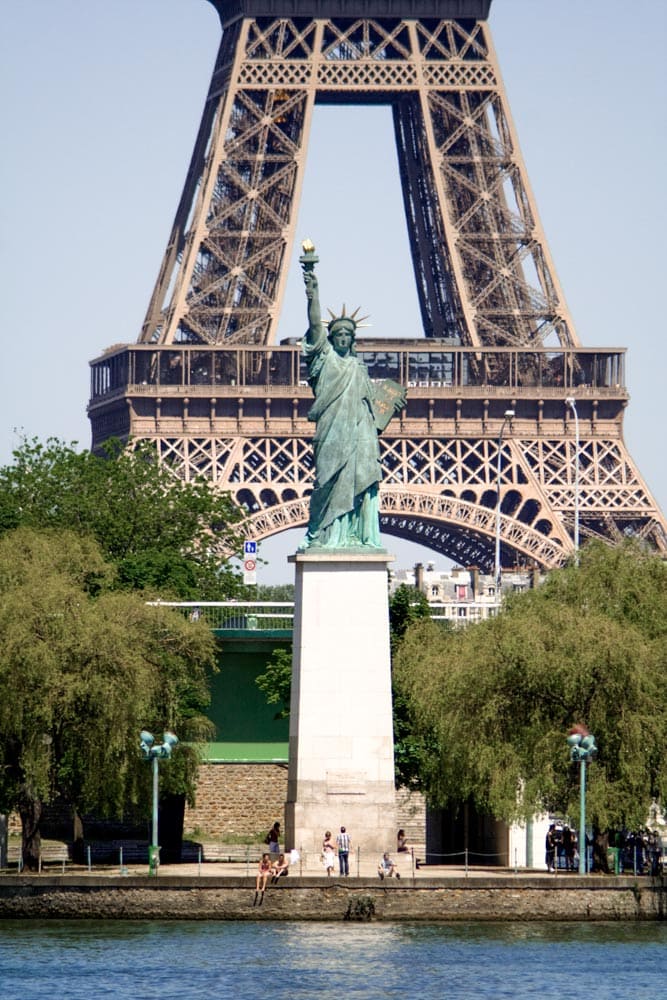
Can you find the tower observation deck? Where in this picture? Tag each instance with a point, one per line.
(208, 385)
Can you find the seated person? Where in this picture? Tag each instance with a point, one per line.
(387, 867)
(402, 846)
(263, 872)
(401, 842)
(279, 867)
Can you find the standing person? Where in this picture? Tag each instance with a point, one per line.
(401, 842)
(569, 847)
(328, 853)
(273, 838)
(344, 843)
(550, 848)
(263, 872)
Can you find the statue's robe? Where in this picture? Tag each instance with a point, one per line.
(343, 505)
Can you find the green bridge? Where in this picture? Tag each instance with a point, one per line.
(248, 633)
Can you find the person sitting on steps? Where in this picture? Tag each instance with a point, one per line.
(402, 846)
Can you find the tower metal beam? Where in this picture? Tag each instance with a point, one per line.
(207, 385)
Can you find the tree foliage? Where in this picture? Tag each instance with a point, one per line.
(407, 605)
(588, 646)
(83, 668)
(276, 681)
(161, 533)
(275, 592)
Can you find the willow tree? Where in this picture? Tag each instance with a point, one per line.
(83, 668)
(160, 532)
(497, 699)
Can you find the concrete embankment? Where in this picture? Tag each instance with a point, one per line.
(497, 897)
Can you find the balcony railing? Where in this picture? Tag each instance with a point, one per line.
(418, 365)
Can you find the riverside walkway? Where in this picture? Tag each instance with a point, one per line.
(226, 891)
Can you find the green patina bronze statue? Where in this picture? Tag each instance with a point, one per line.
(350, 411)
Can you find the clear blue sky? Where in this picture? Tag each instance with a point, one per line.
(99, 110)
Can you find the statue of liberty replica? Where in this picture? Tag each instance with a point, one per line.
(341, 758)
(350, 411)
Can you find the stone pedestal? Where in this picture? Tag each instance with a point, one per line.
(341, 750)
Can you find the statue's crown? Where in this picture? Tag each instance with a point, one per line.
(352, 318)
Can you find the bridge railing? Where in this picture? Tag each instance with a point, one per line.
(252, 615)
(276, 615)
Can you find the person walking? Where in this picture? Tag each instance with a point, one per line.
(343, 843)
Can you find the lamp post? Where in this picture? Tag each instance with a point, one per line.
(508, 416)
(573, 406)
(154, 751)
(582, 749)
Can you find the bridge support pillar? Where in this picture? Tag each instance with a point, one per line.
(341, 748)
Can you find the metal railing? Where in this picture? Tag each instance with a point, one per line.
(242, 615)
(279, 615)
(421, 364)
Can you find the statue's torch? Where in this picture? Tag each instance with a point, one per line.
(308, 258)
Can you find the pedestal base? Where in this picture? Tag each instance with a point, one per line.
(341, 764)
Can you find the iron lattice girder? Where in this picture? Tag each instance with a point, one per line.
(238, 416)
(452, 467)
(446, 485)
(483, 270)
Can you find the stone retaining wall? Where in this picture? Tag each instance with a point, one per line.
(185, 898)
(244, 800)
(238, 800)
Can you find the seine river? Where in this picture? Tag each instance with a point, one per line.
(93, 960)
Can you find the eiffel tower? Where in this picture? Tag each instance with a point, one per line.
(512, 440)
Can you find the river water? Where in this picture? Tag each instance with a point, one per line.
(142, 960)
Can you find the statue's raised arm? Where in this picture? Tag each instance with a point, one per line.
(315, 334)
(349, 411)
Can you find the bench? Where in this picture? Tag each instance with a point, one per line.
(109, 851)
(56, 853)
(232, 853)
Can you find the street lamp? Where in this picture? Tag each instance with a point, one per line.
(573, 406)
(154, 751)
(508, 416)
(582, 749)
